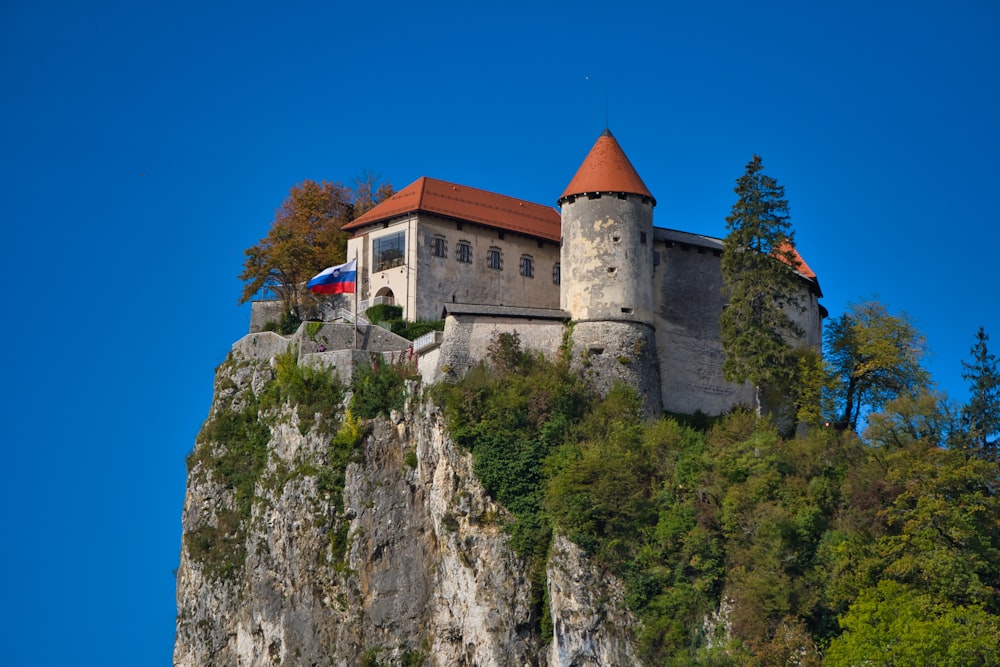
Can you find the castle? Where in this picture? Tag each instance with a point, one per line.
(641, 303)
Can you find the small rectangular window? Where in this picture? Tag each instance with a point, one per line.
(494, 259)
(463, 252)
(439, 246)
(556, 274)
(527, 266)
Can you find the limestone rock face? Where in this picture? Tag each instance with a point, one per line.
(405, 563)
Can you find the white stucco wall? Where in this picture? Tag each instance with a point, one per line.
(425, 282)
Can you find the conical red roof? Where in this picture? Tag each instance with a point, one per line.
(606, 169)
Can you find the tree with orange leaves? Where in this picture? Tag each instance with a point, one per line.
(306, 237)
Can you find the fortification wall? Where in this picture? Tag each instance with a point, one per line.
(262, 312)
(687, 286)
(336, 336)
(263, 345)
(467, 339)
(619, 352)
(341, 362)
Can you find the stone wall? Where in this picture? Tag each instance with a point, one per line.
(689, 300)
(467, 337)
(336, 336)
(619, 352)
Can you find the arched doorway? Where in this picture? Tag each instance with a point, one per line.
(384, 295)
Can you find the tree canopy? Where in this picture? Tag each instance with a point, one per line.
(306, 237)
(737, 546)
(876, 357)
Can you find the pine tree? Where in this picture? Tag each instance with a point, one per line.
(758, 263)
(982, 413)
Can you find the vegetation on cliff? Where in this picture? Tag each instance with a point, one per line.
(232, 448)
(738, 545)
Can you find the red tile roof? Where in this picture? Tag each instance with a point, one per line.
(460, 202)
(802, 268)
(606, 169)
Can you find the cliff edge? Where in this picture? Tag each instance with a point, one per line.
(311, 537)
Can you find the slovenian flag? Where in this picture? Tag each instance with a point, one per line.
(336, 279)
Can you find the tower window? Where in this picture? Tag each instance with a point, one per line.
(527, 266)
(494, 259)
(556, 274)
(642, 237)
(439, 246)
(463, 252)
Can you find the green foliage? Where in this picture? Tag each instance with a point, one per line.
(313, 328)
(232, 450)
(220, 548)
(384, 312)
(774, 550)
(344, 448)
(289, 323)
(511, 416)
(875, 356)
(316, 393)
(982, 413)
(758, 263)
(894, 624)
(414, 330)
(380, 388)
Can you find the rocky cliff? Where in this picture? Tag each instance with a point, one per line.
(313, 538)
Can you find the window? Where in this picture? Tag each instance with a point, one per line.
(439, 246)
(463, 252)
(389, 251)
(527, 266)
(556, 274)
(494, 259)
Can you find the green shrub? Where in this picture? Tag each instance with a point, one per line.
(414, 330)
(384, 312)
(316, 393)
(232, 450)
(511, 416)
(313, 328)
(380, 388)
(289, 323)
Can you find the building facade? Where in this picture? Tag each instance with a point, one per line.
(644, 302)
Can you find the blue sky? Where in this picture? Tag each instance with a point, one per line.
(144, 146)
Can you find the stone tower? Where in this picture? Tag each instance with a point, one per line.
(607, 272)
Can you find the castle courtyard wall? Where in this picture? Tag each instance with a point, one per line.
(467, 337)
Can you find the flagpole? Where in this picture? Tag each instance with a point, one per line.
(356, 281)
